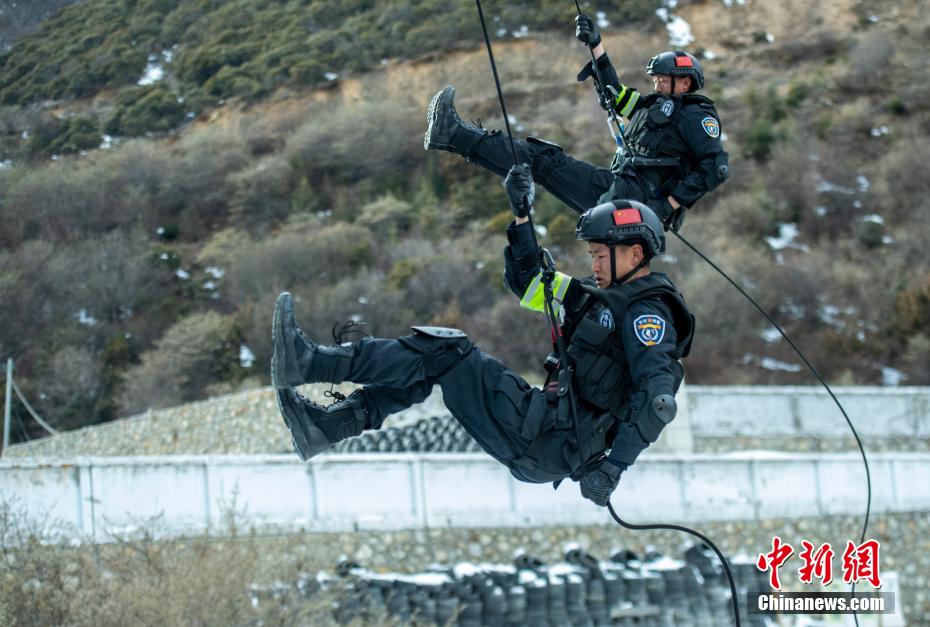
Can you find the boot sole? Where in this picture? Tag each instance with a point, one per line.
(279, 374)
(432, 115)
(308, 439)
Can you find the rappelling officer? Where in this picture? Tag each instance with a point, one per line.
(625, 328)
(671, 153)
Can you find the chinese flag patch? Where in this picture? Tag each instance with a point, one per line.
(684, 62)
(627, 216)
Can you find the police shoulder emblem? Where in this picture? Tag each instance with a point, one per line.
(668, 107)
(711, 126)
(649, 329)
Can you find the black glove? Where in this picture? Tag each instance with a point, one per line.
(586, 31)
(599, 484)
(672, 218)
(520, 189)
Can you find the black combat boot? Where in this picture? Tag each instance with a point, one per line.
(297, 359)
(316, 427)
(446, 130)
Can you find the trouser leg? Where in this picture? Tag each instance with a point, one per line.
(576, 183)
(383, 401)
(626, 186)
(489, 401)
(497, 407)
(505, 415)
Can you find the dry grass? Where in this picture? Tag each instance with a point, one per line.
(138, 580)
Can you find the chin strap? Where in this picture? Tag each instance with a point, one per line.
(613, 267)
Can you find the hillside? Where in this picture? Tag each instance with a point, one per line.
(146, 229)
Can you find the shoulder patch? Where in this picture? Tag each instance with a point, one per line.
(649, 329)
(711, 126)
(668, 107)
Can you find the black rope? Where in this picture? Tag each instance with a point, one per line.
(865, 461)
(500, 97)
(810, 366)
(703, 538)
(602, 88)
(497, 82)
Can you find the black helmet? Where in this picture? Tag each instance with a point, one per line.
(622, 222)
(676, 63)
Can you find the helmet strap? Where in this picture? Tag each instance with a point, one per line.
(672, 76)
(613, 268)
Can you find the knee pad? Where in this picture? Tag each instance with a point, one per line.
(442, 348)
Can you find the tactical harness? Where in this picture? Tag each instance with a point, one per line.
(604, 393)
(656, 153)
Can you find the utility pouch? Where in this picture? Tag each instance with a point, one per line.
(656, 119)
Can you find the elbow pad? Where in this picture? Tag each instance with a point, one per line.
(656, 415)
(719, 173)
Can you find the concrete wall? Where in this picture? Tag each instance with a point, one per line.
(808, 411)
(98, 497)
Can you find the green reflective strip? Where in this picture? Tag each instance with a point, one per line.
(534, 298)
(630, 96)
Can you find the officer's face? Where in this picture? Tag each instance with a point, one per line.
(663, 84)
(627, 257)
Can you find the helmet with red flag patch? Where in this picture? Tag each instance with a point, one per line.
(677, 63)
(622, 222)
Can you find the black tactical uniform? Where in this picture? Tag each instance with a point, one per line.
(671, 146)
(624, 346)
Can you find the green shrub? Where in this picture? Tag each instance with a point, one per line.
(759, 139)
(198, 350)
(151, 109)
(59, 137)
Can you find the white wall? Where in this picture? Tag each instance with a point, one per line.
(808, 411)
(101, 496)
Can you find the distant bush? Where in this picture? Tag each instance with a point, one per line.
(869, 59)
(57, 137)
(243, 48)
(912, 309)
(152, 109)
(262, 194)
(297, 258)
(348, 143)
(198, 350)
(767, 110)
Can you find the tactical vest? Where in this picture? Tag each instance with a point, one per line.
(602, 378)
(655, 148)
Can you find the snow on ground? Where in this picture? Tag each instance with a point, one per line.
(823, 186)
(773, 364)
(153, 73)
(679, 31)
(770, 335)
(787, 234)
(892, 377)
(85, 318)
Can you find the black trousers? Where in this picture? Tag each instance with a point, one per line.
(578, 184)
(496, 406)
